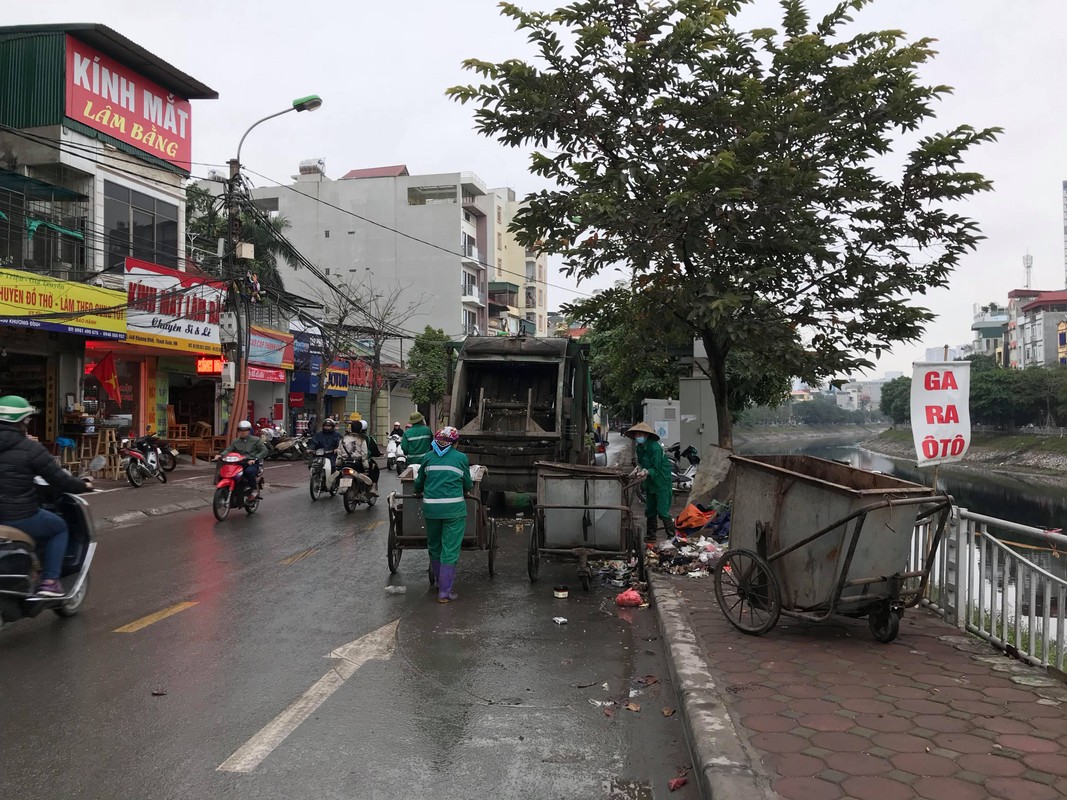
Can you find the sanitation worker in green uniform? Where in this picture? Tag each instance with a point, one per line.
(653, 463)
(417, 439)
(443, 481)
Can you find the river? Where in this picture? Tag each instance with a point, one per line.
(992, 494)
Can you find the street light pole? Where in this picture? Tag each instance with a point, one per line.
(239, 303)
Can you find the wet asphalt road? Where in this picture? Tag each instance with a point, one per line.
(484, 698)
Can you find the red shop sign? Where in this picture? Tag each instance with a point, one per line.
(266, 374)
(113, 99)
(296, 399)
(208, 366)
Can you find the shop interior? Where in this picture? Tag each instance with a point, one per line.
(26, 376)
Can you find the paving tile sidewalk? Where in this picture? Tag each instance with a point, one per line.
(810, 712)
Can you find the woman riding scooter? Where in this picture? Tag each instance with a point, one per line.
(21, 460)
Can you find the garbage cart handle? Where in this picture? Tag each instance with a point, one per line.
(477, 500)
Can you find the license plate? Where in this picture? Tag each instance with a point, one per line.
(346, 483)
(174, 452)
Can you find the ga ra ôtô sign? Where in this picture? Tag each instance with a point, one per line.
(940, 411)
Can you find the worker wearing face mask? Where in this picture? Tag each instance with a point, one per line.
(654, 467)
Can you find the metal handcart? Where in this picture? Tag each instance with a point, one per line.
(582, 514)
(811, 538)
(407, 529)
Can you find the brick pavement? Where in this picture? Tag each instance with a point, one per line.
(826, 712)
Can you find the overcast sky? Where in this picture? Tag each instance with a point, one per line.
(382, 69)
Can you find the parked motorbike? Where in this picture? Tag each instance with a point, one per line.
(683, 478)
(391, 449)
(142, 458)
(19, 564)
(354, 484)
(231, 489)
(323, 477)
(286, 447)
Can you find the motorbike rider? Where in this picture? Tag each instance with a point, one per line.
(397, 429)
(360, 444)
(250, 447)
(21, 459)
(418, 439)
(327, 439)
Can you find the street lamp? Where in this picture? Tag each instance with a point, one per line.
(240, 391)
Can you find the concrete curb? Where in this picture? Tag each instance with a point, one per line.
(726, 765)
(129, 518)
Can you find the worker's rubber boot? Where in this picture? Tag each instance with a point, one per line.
(650, 528)
(668, 528)
(435, 570)
(444, 584)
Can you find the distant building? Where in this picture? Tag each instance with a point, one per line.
(1038, 329)
(989, 328)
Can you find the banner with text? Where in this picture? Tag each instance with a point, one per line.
(940, 411)
(270, 348)
(28, 300)
(172, 310)
(115, 100)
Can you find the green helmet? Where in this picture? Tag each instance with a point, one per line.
(14, 408)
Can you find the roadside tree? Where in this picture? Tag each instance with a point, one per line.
(776, 190)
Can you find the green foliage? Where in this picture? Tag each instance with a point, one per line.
(428, 361)
(820, 411)
(981, 363)
(896, 400)
(739, 176)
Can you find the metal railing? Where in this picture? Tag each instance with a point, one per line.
(984, 586)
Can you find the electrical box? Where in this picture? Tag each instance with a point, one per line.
(245, 250)
(227, 328)
(228, 375)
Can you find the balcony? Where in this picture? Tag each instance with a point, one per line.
(470, 254)
(469, 293)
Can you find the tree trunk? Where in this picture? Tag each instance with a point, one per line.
(717, 379)
(320, 400)
(375, 391)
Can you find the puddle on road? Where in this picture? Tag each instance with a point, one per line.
(628, 790)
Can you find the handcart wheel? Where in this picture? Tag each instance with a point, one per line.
(584, 578)
(748, 592)
(393, 550)
(533, 555)
(492, 550)
(884, 623)
(639, 551)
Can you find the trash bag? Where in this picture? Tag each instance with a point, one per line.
(693, 518)
(629, 599)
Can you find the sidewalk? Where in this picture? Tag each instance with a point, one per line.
(818, 712)
(117, 503)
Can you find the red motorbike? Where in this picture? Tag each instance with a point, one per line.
(231, 489)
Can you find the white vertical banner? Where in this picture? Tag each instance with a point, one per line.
(940, 411)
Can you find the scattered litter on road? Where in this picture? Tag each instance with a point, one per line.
(674, 784)
(647, 680)
(601, 703)
(159, 692)
(604, 686)
(680, 556)
(609, 712)
(634, 707)
(560, 592)
(668, 711)
(635, 692)
(629, 599)
(396, 589)
(583, 685)
(559, 620)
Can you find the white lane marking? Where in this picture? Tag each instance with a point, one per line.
(379, 644)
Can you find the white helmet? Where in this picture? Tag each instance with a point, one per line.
(364, 425)
(244, 425)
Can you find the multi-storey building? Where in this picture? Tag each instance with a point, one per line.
(1038, 329)
(988, 328)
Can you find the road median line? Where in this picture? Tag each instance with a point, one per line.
(162, 614)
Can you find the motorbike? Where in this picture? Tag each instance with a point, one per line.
(19, 564)
(354, 484)
(400, 459)
(323, 477)
(392, 449)
(231, 489)
(142, 458)
(287, 447)
(683, 478)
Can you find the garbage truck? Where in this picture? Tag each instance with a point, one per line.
(517, 400)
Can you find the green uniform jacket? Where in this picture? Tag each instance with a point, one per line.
(650, 456)
(253, 447)
(417, 442)
(443, 480)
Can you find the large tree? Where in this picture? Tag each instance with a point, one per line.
(896, 400)
(428, 361)
(777, 187)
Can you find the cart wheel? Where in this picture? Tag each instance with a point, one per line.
(492, 550)
(393, 551)
(585, 581)
(533, 555)
(639, 552)
(884, 624)
(747, 592)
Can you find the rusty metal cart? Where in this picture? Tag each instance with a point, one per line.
(407, 529)
(582, 514)
(811, 538)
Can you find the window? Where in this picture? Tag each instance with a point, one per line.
(499, 241)
(540, 297)
(138, 225)
(327, 270)
(431, 195)
(499, 266)
(499, 215)
(327, 234)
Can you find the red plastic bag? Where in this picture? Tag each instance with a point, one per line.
(693, 519)
(674, 784)
(629, 599)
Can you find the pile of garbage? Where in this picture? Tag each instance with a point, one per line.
(702, 536)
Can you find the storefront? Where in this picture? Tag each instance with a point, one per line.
(270, 356)
(307, 349)
(167, 363)
(46, 324)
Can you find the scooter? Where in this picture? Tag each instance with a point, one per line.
(19, 564)
(391, 450)
(323, 477)
(285, 446)
(355, 484)
(141, 459)
(231, 489)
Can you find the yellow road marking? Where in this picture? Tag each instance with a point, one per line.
(374, 524)
(144, 622)
(299, 556)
